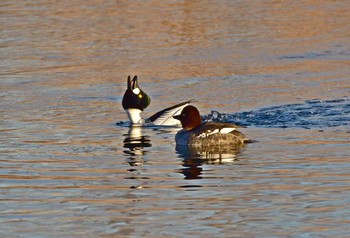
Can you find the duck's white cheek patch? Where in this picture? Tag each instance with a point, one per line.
(226, 130)
(136, 91)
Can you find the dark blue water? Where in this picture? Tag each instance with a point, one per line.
(310, 114)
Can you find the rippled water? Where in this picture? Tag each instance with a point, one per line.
(280, 68)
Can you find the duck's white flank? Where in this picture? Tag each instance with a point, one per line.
(226, 130)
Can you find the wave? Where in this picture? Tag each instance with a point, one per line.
(314, 113)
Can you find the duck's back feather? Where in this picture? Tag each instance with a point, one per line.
(165, 116)
(212, 134)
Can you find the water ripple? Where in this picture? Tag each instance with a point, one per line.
(310, 114)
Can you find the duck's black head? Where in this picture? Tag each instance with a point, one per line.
(134, 97)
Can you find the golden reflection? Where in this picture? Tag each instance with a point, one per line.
(195, 157)
(136, 142)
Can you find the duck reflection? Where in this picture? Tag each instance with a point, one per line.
(136, 142)
(195, 157)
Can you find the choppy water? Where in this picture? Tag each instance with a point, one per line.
(310, 114)
(280, 68)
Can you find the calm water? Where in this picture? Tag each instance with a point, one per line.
(279, 67)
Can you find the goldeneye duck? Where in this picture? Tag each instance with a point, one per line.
(195, 133)
(135, 100)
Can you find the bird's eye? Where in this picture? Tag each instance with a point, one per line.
(140, 95)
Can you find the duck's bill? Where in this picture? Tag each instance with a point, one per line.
(134, 83)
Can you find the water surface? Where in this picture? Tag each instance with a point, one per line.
(281, 68)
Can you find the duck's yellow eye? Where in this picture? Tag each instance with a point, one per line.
(140, 95)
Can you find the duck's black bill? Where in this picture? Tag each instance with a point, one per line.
(132, 83)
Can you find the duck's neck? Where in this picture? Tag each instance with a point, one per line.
(134, 115)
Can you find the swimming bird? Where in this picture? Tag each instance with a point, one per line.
(209, 134)
(135, 100)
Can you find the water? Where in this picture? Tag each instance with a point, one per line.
(310, 114)
(280, 68)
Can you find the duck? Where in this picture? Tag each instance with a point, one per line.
(135, 101)
(195, 133)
